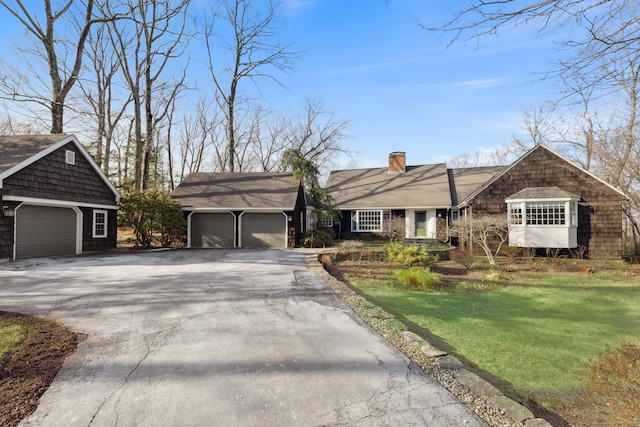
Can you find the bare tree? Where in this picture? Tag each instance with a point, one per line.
(599, 20)
(254, 54)
(269, 143)
(107, 105)
(150, 37)
(196, 130)
(9, 125)
(318, 135)
(63, 56)
(489, 231)
(496, 156)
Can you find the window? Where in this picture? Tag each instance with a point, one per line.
(99, 223)
(545, 213)
(70, 157)
(369, 220)
(515, 214)
(538, 223)
(328, 222)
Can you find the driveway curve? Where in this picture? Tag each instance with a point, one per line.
(217, 337)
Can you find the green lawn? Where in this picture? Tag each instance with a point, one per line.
(535, 329)
(10, 335)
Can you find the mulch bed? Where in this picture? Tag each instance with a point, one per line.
(26, 374)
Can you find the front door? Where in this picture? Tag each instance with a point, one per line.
(421, 224)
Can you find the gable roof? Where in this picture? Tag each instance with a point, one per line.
(464, 181)
(470, 197)
(425, 186)
(19, 151)
(238, 190)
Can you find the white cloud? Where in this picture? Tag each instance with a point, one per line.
(297, 7)
(482, 83)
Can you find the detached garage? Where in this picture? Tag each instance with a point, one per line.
(55, 199)
(242, 210)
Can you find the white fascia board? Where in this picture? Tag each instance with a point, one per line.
(55, 203)
(223, 210)
(386, 208)
(543, 199)
(64, 141)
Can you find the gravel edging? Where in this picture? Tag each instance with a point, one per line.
(489, 403)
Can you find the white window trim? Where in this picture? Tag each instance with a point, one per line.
(95, 235)
(356, 226)
(519, 214)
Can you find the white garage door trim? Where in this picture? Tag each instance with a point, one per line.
(285, 222)
(53, 204)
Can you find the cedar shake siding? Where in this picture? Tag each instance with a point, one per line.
(40, 190)
(52, 178)
(98, 244)
(296, 225)
(599, 209)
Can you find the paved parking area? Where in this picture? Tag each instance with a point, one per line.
(216, 337)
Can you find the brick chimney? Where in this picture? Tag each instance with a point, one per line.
(397, 162)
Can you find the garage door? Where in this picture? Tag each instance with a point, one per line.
(45, 231)
(263, 230)
(212, 230)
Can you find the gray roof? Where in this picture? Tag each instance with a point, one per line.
(15, 149)
(464, 181)
(239, 190)
(543, 193)
(425, 186)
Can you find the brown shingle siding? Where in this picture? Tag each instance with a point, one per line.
(52, 178)
(90, 244)
(599, 211)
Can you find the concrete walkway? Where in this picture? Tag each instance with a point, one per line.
(214, 337)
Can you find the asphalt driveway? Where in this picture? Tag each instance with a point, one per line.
(215, 337)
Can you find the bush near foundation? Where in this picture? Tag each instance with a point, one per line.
(316, 239)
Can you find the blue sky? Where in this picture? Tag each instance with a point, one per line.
(400, 85)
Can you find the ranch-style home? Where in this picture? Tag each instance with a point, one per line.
(242, 210)
(550, 202)
(55, 200)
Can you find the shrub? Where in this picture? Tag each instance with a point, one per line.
(418, 278)
(316, 239)
(410, 255)
(614, 381)
(511, 252)
(462, 256)
(152, 216)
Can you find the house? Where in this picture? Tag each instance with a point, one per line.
(242, 210)
(55, 199)
(551, 202)
(369, 197)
